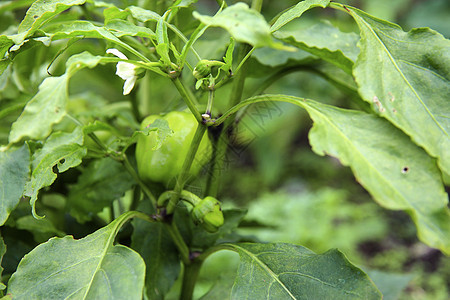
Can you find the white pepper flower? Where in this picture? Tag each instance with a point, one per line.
(126, 71)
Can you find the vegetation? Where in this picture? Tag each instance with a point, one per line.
(294, 150)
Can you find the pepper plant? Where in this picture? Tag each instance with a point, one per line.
(72, 176)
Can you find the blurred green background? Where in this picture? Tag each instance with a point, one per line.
(292, 195)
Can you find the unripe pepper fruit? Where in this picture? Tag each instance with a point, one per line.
(164, 164)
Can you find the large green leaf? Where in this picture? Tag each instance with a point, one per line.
(48, 106)
(153, 242)
(244, 24)
(286, 271)
(296, 12)
(405, 75)
(61, 151)
(88, 268)
(325, 41)
(397, 173)
(102, 182)
(14, 170)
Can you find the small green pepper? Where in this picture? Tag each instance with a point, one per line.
(164, 164)
(208, 213)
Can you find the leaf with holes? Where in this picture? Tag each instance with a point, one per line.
(286, 271)
(61, 151)
(88, 268)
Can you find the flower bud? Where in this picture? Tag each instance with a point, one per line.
(209, 214)
(202, 69)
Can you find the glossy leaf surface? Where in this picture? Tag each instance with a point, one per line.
(286, 271)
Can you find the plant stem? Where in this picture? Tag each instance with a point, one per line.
(136, 177)
(183, 176)
(222, 143)
(189, 99)
(179, 242)
(222, 2)
(135, 107)
(190, 276)
(210, 102)
(257, 5)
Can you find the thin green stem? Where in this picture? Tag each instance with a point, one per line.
(212, 188)
(210, 102)
(183, 176)
(91, 134)
(188, 98)
(136, 177)
(135, 107)
(190, 276)
(192, 198)
(263, 98)
(244, 60)
(179, 242)
(222, 3)
(257, 5)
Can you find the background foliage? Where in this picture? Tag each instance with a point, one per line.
(292, 195)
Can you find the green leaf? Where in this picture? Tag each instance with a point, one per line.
(39, 228)
(244, 24)
(14, 170)
(405, 75)
(391, 285)
(88, 268)
(325, 41)
(61, 151)
(296, 12)
(162, 129)
(2, 252)
(274, 58)
(42, 111)
(143, 15)
(397, 173)
(43, 11)
(286, 271)
(88, 30)
(122, 28)
(102, 182)
(160, 254)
